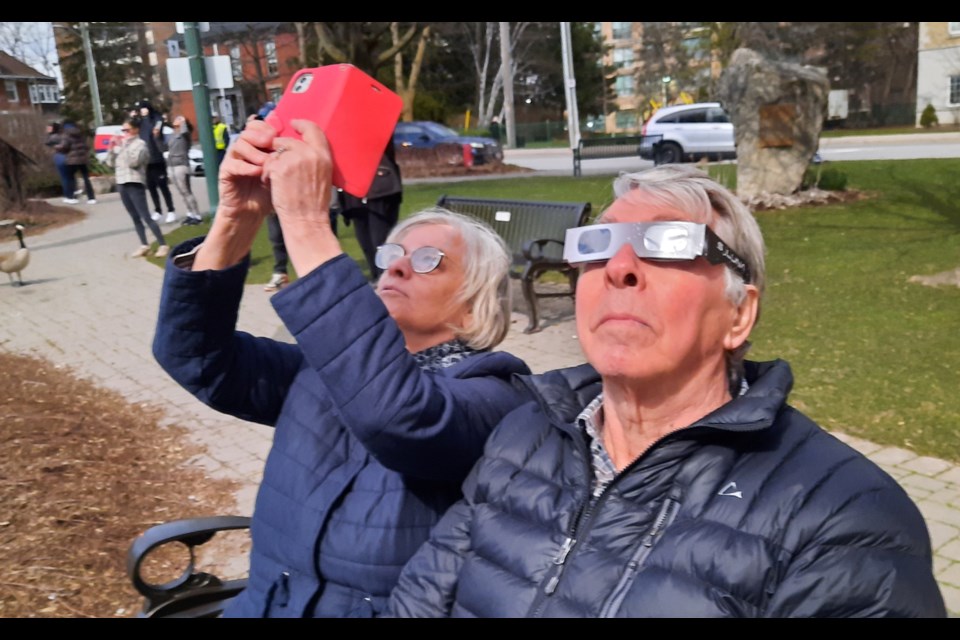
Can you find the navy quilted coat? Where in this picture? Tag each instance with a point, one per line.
(753, 511)
(369, 450)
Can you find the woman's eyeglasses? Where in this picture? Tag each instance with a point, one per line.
(422, 260)
(125, 129)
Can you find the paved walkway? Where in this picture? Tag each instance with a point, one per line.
(87, 306)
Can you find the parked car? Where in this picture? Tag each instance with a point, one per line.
(427, 135)
(688, 132)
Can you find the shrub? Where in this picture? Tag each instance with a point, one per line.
(826, 178)
(929, 117)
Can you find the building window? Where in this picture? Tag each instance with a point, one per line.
(44, 93)
(622, 57)
(624, 86)
(275, 93)
(953, 28)
(11, 86)
(622, 30)
(954, 90)
(270, 51)
(236, 66)
(626, 120)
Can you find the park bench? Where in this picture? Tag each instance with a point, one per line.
(617, 147)
(534, 231)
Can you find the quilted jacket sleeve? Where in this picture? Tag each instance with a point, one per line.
(426, 425)
(197, 344)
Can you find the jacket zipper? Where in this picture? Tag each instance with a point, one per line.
(552, 579)
(668, 512)
(581, 524)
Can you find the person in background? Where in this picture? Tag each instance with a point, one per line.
(178, 163)
(374, 215)
(54, 140)
(76, 152)
(668, 476)
(129, 157)
(221, 137)
(382, 403)
(151, 132)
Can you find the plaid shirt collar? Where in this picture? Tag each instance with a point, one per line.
(591, 421)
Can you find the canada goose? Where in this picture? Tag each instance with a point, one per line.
(13, 262)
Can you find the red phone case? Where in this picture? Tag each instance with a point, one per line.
(357, 114)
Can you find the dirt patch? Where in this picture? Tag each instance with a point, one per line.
(84, 473)
(39, 216)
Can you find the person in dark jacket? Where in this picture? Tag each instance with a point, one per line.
(76, 153)
(668, 476)
(382, 404)
(374, 215)
(54, 140)
(151, 132)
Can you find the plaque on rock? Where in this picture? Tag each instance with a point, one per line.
(777, 125)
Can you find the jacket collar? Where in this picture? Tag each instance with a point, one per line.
(563, 394)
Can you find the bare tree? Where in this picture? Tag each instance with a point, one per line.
(367, 45)
(407, 88)
(31, 43)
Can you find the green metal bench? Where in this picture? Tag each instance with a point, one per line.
(616, 147)
(534, 231)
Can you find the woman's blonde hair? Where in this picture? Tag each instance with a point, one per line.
(486, 279)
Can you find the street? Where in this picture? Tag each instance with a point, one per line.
(559, 161)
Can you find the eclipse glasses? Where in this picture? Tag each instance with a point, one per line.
(667, 240)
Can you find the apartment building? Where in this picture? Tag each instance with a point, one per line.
(640, 93)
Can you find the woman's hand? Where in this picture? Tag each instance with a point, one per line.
(243, 192)
(299, 173)
(244, 200)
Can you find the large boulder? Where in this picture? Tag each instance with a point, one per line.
(777, 110)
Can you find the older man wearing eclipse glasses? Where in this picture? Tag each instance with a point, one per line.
(669, 477)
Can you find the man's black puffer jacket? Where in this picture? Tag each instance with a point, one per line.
(752, 511)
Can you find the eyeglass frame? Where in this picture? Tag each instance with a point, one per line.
(376, 259)
(702, 242)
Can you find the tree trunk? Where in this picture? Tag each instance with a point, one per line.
(407, 89)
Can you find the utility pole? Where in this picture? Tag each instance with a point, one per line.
(91, 75)
(570, 85)
(201, 103)
(506, 68)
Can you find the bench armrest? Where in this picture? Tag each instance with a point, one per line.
(533, 249)
(191, 584)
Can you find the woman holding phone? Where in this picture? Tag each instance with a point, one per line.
(128, 155)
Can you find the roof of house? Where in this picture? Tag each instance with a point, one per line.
(10, 67)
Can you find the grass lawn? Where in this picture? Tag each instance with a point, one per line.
(874, 355)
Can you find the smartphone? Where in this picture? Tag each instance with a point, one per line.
(356, 112)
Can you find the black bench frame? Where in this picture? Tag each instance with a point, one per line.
(534, 231)
(616, 147)
(194, 594)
